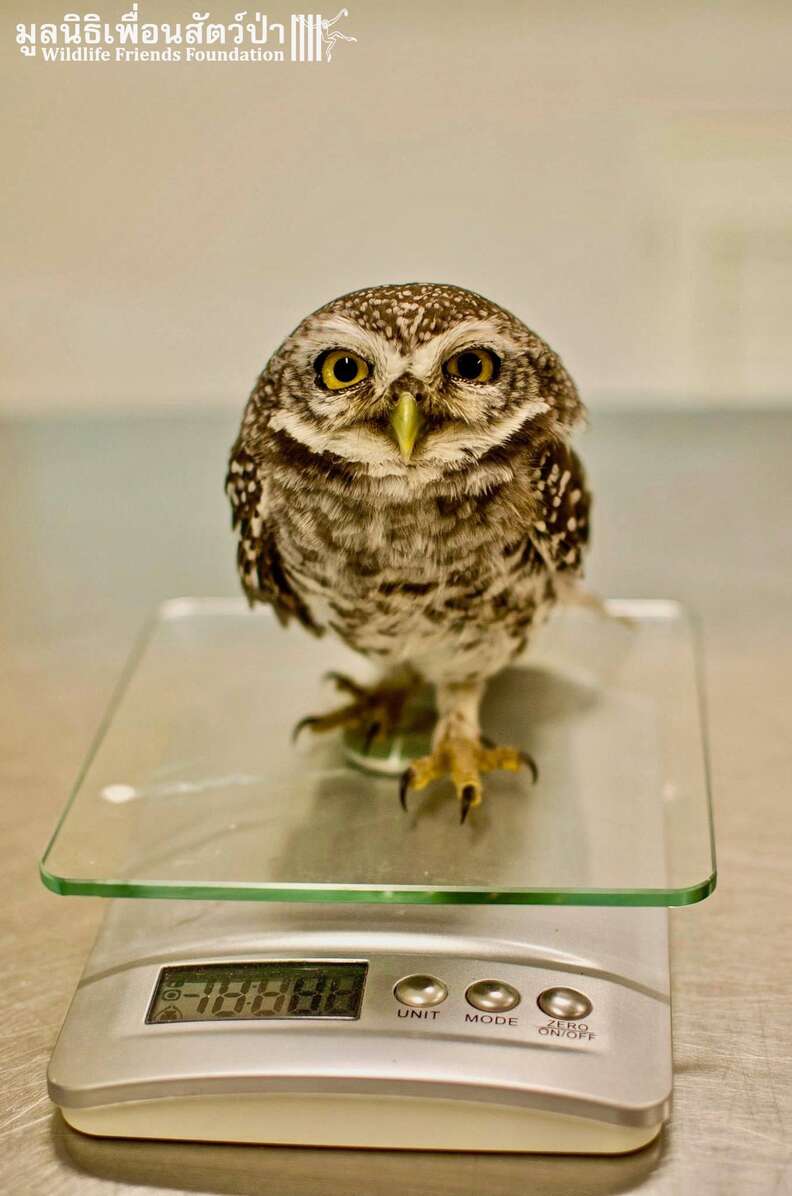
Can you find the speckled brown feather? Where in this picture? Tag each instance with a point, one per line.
(447, 563)
(258, 561)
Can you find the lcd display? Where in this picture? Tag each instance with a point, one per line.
(255, 991)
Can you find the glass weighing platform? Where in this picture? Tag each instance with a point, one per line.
(328, 970)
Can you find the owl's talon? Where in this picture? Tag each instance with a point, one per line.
(346, 684)
(373, 730)
(467, 799)
(463, 759)
(531, 765)
(308, 721)
(525, 757)
(376, 711)
(405, 781)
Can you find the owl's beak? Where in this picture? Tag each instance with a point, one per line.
(406, 421)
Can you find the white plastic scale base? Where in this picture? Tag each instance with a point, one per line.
(448, 1077)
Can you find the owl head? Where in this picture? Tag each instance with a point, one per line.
(412, 380)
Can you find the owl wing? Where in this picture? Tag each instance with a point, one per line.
(258, 560)
(560, 528)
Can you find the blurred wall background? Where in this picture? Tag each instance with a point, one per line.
(618, 173)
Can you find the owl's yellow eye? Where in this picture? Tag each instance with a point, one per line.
(341, 368)
(473, 365)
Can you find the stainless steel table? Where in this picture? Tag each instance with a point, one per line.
(101, 518)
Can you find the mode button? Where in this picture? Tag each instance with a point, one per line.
(492, 996)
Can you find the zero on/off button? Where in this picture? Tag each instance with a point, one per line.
(422, 992)
(566, 1004)
(492, 996)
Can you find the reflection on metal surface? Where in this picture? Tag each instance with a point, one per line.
(245, 1171)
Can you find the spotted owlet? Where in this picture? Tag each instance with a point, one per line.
(403, 478)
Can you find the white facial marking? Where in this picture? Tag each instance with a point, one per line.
(427, 360)
(457, 444)
(357, 443)
(472, 430)
(339, 332)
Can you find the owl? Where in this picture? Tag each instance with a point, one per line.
(403, 479)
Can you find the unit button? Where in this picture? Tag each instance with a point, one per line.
(492, 996)
(420, 991)
(567, 1004)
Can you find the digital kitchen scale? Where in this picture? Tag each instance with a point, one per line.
(316, 967)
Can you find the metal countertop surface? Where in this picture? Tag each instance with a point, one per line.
(101, 518)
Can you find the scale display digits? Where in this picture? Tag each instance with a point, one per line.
(251, 991)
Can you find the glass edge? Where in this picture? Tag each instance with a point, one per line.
(187, 606)
(139, 645)
(696, 625)
(626, 898)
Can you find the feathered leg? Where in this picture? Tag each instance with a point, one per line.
(459, 751)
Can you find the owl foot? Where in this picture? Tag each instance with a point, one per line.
(463, 759)
(377, 711)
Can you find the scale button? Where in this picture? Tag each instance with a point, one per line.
(420, 991)
(492, 996)
(564, 1003)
